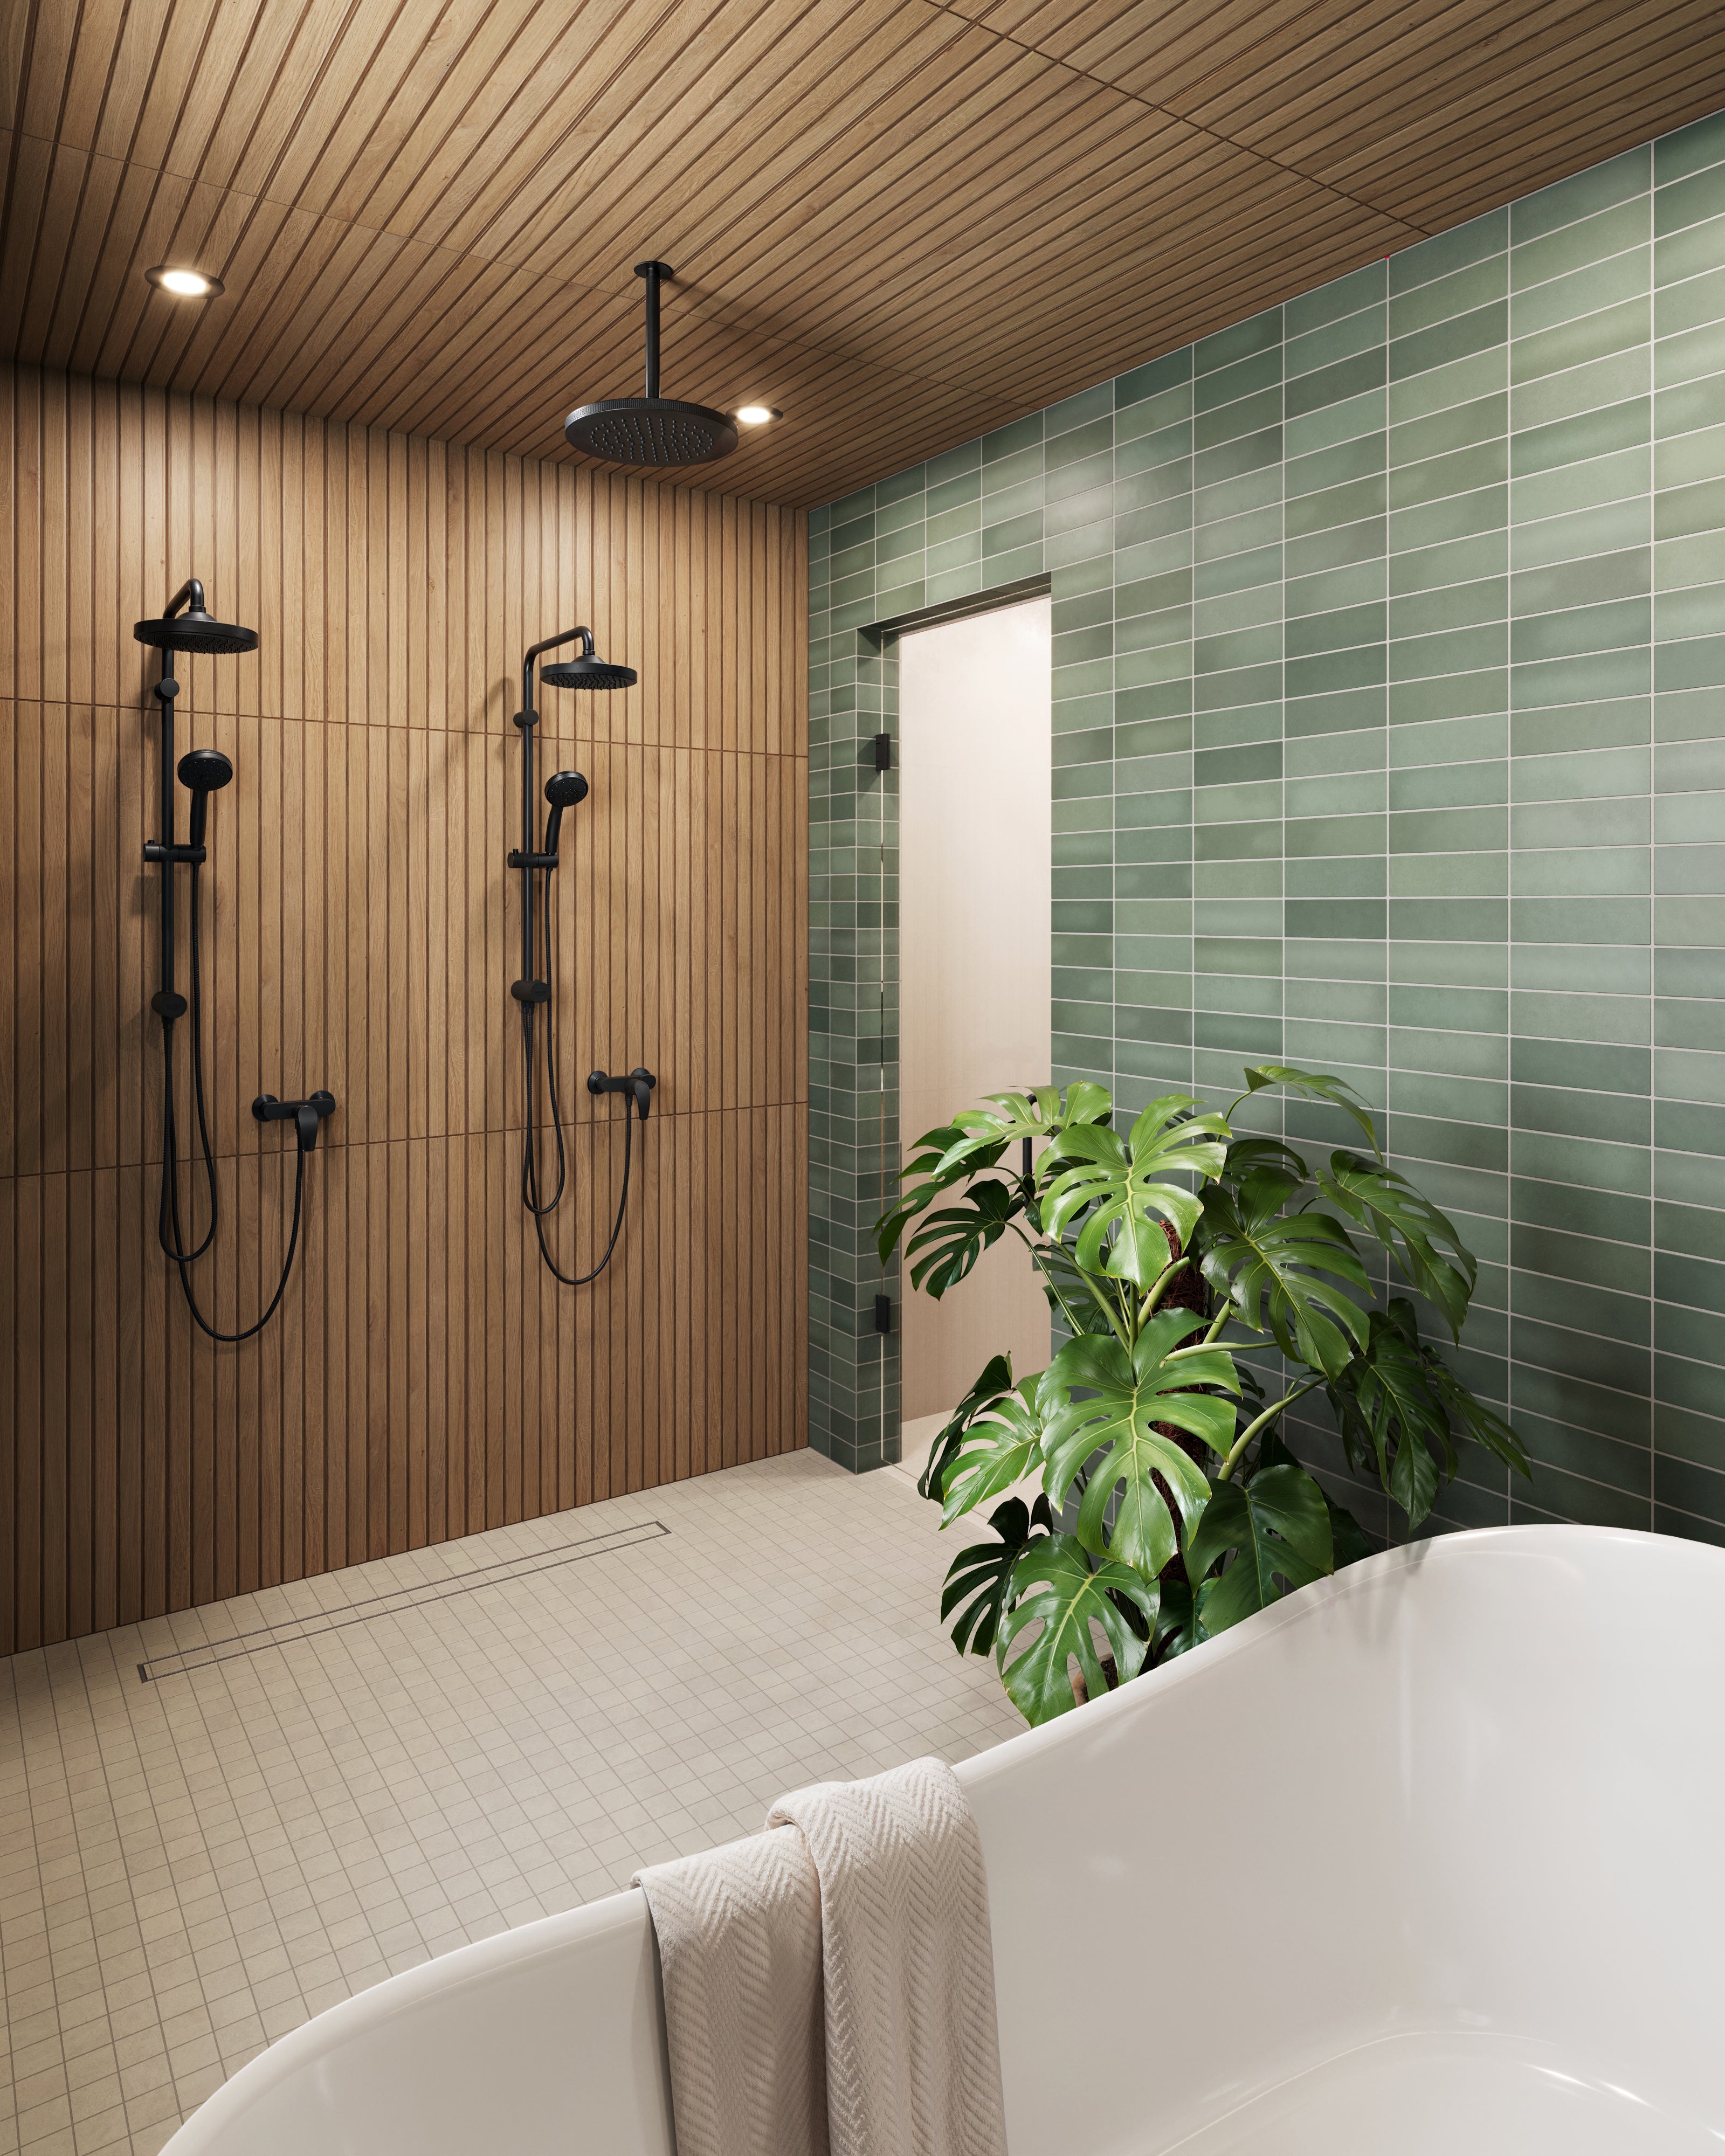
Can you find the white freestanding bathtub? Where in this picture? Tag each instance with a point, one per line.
(1430, 1858)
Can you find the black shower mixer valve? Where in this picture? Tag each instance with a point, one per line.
(304, 1115)
(638, 1085)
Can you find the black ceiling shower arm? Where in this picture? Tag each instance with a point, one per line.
(190, 595)
(652, 272)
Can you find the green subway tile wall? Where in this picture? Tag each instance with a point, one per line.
(1389, 682)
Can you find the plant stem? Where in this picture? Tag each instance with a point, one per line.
(1036, 1250)
(1160, 1286)
(1252, 1428)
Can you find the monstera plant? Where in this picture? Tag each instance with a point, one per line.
(1172, 1504)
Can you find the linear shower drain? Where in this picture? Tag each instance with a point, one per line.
(316, 1623)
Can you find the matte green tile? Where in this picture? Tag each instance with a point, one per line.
(1455, 337)
(1448, 830)
(1459, 471)
(1360, 457)
(1335, 384)
(1622, 1018)
(1590, 1064)
(1449, 696)
(1606, 232)
(1442, 875)
(1686, 200)
(1477, 375)
(1365, 412)
(1477, 783)
(1427, 1005)
(1450, 921)
(1613, 1214)
(1331, 506)
(1548, 311)
(1619, 179)
(1343, 711)
(1457, 517)
(1589, 435)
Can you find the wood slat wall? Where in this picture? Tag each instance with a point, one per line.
(425, 1379)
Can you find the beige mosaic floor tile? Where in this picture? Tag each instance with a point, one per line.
(324, 1784)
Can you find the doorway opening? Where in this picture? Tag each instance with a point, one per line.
(975, 848)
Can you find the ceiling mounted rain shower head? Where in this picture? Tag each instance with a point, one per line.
(651, 430)
(193, 630)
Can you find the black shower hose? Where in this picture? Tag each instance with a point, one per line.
(169, 1210)
(530, 1162)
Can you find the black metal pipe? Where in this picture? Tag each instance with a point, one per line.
(653, 271)
(168, 1005)
(526, 719)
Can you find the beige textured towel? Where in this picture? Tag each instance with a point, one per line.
(844, 1953)
(739, 1955)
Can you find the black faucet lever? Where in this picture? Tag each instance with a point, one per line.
(304, 1115)
(638, 1085)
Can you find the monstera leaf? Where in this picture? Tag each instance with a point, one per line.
(947, 1245)
(1409, 1227)
(1287, 1274)
(1001, 1446)
(1071, 1295)
(1394, 1403)
(1277, 1524)
(1055, 1583)
(1482, 1424)
(1125, 1398)
(996, 1379)
(979, 1579)
(1247, 1156)
(976, 1140)
(1120, 1185)
(1312, 1085)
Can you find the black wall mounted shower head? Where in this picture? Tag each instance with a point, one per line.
(194, 630)
(203, 771)
(563, 790)
(588, 673)
(651, 430)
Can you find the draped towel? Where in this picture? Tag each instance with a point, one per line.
(829, 1984)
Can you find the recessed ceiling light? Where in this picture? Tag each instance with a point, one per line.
(757, 415)
(184, 283)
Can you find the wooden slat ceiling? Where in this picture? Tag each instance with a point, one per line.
(902, 222)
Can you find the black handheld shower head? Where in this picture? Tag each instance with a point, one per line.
(563, 790)
(194, 630)
(203, 771)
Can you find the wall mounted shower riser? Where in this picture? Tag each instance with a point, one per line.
(535, 857)
(202, 772)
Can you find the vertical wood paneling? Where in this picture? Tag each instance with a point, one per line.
(425, 1377)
